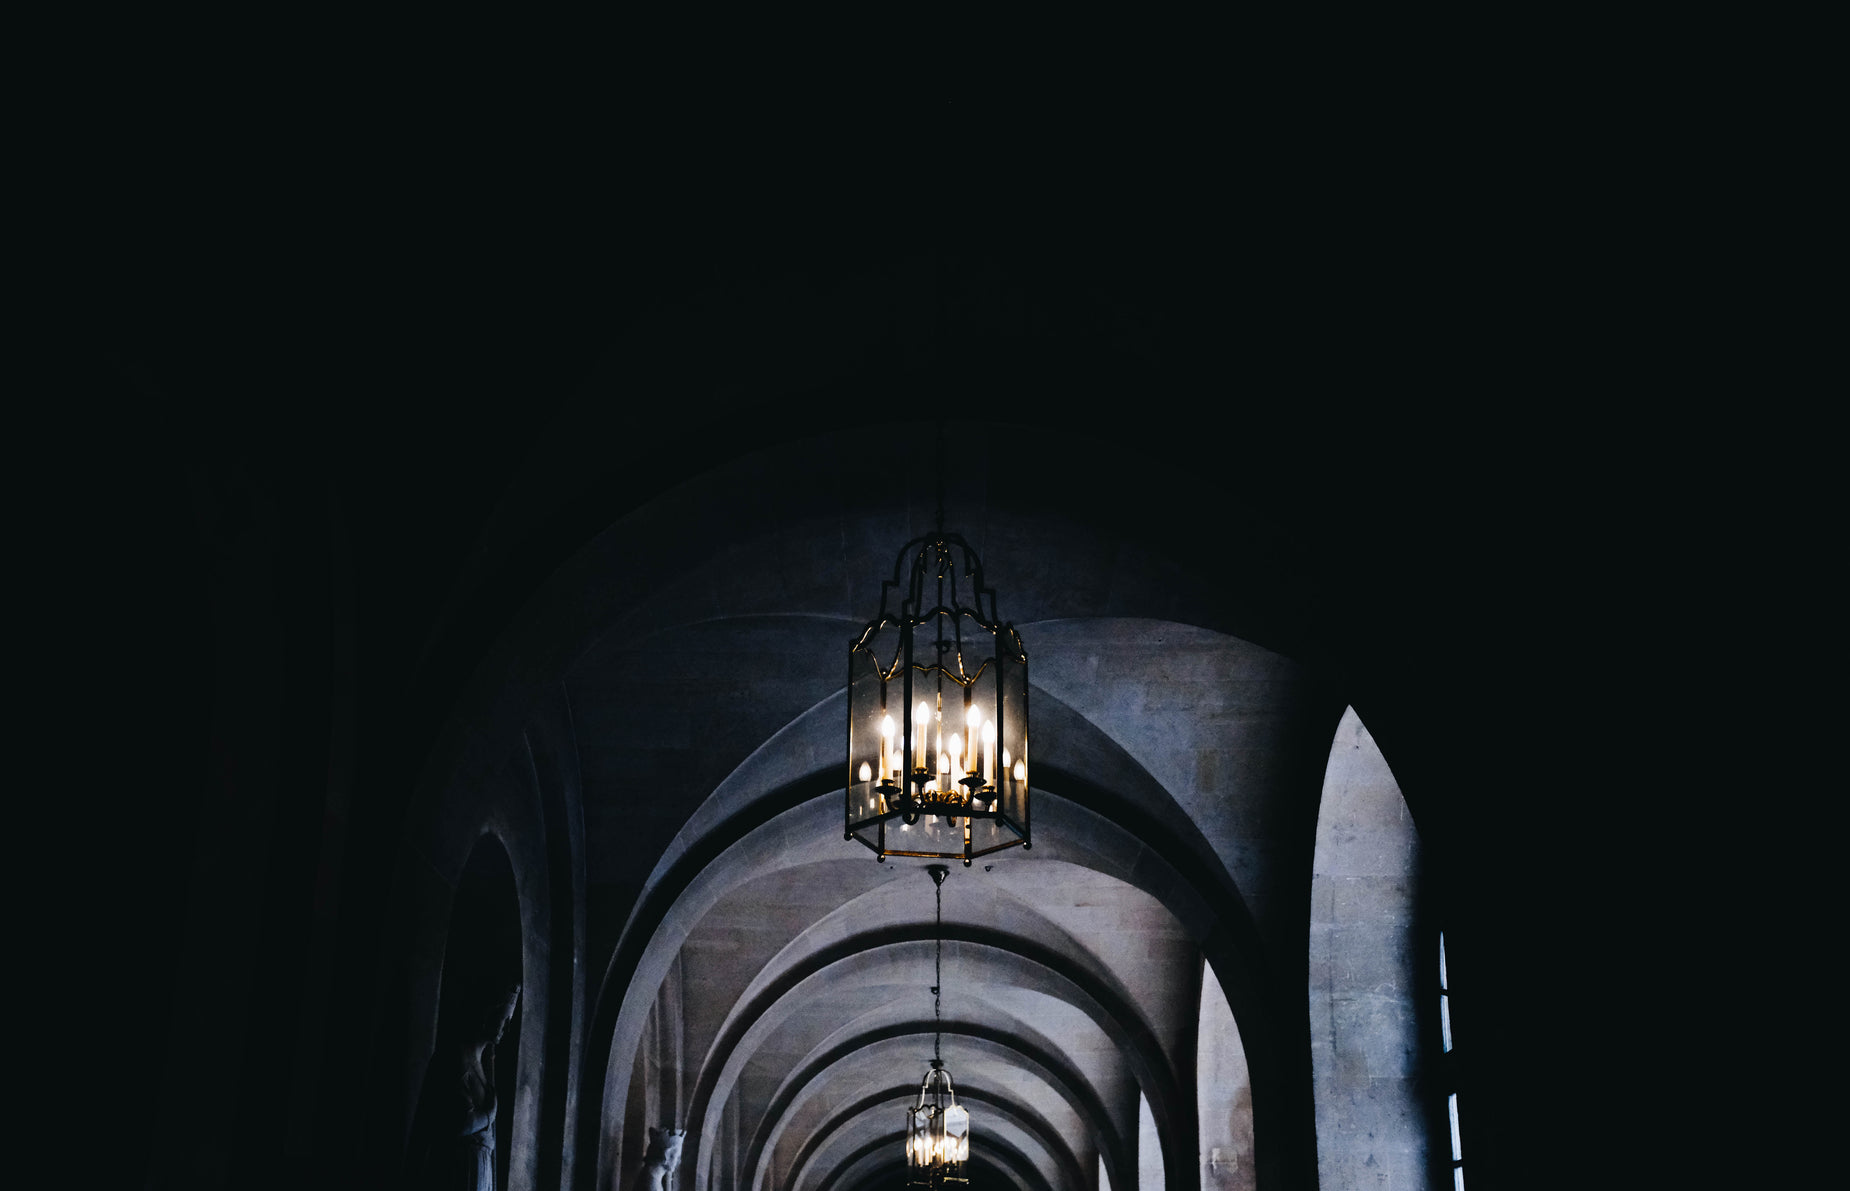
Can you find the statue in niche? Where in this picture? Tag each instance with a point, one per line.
(462, 1149)
(661, 1158)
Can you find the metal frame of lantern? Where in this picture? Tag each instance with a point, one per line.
(938, 726)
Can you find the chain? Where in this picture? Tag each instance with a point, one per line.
(940, 471)
(938, 981)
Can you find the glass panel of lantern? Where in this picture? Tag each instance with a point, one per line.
(1009, 801)
(918, 1137)
(957, 1133)
(869, 748)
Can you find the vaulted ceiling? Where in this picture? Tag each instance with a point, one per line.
(1177, 779)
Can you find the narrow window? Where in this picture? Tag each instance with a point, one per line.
(1451, 1075)
(1445, 999)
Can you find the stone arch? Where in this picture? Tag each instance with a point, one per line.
(1067, 1082)
(1120, 1020)
(1151, 855)
(525, 809)
(1149, 859)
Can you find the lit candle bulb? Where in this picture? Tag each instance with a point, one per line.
(867, 773)
(921, 716)
(973, 717)
(989, 752)
(1021, 771)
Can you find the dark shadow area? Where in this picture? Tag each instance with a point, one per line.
(468, 1092)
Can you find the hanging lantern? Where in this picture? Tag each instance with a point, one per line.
(938, 1131)
(937, 713)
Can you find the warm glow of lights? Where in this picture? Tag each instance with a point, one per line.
(867, 772)
(924, 1148)
(1021, 771)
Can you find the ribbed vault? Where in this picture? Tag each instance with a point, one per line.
(1073, 1106)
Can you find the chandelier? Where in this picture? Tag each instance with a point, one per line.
(937, 713)
(937, 1127)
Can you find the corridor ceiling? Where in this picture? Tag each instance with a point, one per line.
(1178, 768)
